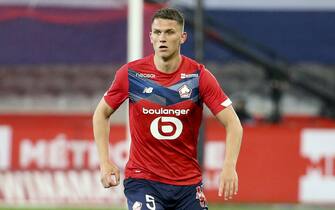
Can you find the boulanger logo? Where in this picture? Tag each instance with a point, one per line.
(166, 128)
(176, 112)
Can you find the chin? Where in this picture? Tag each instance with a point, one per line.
(164, 54)
(166, 57)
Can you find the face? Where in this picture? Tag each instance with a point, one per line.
(166, 37)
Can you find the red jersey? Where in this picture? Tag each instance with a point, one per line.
(165, 112)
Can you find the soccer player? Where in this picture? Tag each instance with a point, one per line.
(166, 92)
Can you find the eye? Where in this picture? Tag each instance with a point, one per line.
(170, 32)
(157, 32)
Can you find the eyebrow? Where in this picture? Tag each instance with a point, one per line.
(167, 30)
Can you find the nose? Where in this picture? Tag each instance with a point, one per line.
(162, 38)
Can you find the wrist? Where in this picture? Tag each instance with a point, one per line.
(104, 162)
(230, 164)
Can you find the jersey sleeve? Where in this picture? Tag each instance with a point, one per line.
(211, 92)
(118, 91)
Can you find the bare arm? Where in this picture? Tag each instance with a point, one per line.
(110, 174)
(228, 178)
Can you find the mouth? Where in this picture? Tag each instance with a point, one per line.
(163, 47)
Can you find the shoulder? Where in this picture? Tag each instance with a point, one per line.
(142, 63)
(193, 64)
(135, 65)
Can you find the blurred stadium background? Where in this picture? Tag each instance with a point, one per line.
(275, 59)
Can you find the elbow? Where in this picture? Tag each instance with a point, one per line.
(94, 117)
(238, 129)
(100, 115)
(97, 116)
(235, 128)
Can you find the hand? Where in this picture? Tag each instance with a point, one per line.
(228, 182)
(110, 175)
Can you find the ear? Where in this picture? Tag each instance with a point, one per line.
(150, 36)
(183, 38)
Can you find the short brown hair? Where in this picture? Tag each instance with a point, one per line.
(170, 14)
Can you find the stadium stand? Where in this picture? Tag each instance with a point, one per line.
(68, 88)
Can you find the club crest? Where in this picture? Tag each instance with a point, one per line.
(201, 197)
(185, 91)
(137, 205)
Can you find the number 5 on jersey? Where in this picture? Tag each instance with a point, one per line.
(150, 202)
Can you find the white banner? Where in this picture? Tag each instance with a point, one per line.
(318, 185)
(57, 187)
(5, 147)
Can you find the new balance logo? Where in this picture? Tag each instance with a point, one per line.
(148, 90)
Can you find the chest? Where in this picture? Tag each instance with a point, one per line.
(163, 90)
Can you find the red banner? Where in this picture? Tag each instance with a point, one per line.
(53, 158)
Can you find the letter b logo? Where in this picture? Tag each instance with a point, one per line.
(166, 128)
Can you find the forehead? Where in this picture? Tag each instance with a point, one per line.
(164, 24)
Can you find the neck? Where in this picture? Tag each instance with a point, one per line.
(167, 65)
